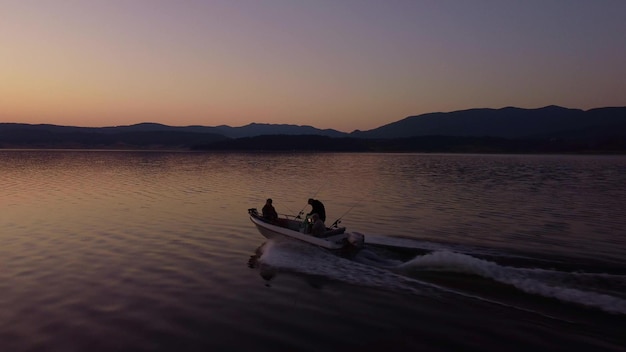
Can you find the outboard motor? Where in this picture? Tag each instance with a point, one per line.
(356, 239)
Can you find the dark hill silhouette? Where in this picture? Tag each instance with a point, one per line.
(309, 143)
(422, 144)
(259, 129)
(52, 136)
(510, 122)
(250, 130)
(548, 129)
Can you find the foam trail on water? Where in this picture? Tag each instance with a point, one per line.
(306, 259)
(529, 281)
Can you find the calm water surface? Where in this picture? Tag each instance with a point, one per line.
(153, 251)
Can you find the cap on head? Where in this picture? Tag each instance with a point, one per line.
(269, 200)
(310, 200)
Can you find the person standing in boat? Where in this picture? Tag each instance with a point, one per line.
(318, 227)
(269, 213)
(317, 208)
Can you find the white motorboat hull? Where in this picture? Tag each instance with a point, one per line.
(334, 239)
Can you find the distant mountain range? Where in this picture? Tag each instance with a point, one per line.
(510, 122)
(548, 129)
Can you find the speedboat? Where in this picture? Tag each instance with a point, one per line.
(335, 238)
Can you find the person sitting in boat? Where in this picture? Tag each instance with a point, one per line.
(317, 208)
(269, 213)
(318, 227)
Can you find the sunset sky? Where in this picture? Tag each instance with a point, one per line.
(342, 64)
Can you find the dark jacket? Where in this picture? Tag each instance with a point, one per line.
(269, 212)
(318, 208)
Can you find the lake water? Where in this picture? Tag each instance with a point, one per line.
(154, 251)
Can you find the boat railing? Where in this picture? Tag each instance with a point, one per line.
(291, 217)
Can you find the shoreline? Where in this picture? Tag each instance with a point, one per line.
(311, 151)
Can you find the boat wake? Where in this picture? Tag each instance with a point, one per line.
(276, 256)
(593, 290)
(435, 270)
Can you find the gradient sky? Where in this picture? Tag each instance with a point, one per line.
(342, 64)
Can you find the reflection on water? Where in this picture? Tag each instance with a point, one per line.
(556, 205)
(147, 249)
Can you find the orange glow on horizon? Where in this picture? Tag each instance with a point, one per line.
(213, 63)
